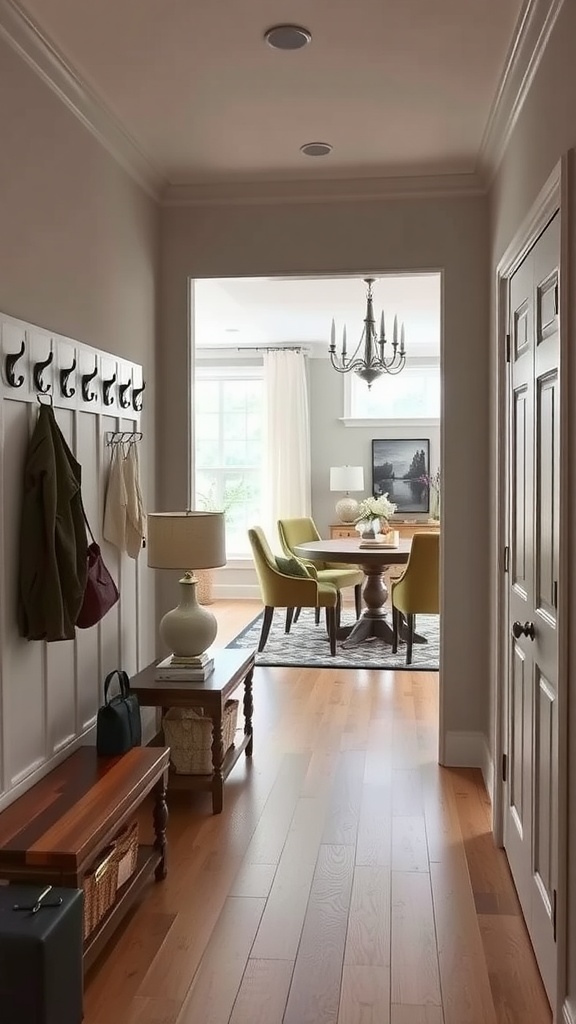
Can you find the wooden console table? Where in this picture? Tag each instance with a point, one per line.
(55, 832)
(232, 666)
(406, 530)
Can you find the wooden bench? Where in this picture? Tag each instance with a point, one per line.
(55, 832)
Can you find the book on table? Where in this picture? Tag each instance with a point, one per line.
(191, 670)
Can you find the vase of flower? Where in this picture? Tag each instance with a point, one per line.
(372, 517)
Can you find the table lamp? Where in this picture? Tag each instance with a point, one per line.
(180, 540)
(347, 478)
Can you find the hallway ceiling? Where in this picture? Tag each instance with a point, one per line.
(244, 312)
(397, 88)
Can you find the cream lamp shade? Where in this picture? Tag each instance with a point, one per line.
(187, 541)
(347, 478)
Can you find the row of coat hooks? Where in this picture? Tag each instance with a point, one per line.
(125, 399)
(114, 437)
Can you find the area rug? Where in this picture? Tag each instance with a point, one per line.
(307, 645)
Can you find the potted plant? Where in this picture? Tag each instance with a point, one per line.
(234, 493)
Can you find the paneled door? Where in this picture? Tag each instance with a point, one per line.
(531, 791)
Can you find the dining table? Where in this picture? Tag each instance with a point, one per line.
(373, 561)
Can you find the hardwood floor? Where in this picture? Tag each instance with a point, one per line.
(349, 879)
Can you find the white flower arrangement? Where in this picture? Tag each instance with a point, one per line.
(375, 508)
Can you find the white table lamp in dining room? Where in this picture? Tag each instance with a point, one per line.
(187, 541)
(347, 478)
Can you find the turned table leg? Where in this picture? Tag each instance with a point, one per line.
(160, 817)
(217, 759)
(248, 709)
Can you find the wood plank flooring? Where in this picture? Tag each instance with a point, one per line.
(349, 879)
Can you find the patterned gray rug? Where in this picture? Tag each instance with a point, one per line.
(307, 645)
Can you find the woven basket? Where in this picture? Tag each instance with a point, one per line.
(205, 586)
(126, 853)
(188, 733)
(99, 886)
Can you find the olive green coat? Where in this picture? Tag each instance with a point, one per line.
(53, 542)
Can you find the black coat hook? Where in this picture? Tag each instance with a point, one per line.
(64, 375)
(107, 388)
(137, 397)
(37, 373)
(87, 394)
(123, 397)
(11, 360)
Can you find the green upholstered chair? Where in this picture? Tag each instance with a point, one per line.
(281, 590)
(299, 531)
(418, 589)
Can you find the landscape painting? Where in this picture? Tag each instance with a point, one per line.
(398, 466)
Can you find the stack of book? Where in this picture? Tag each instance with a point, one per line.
(383, 540)
(186, 670)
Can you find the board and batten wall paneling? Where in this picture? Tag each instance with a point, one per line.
(50, 692)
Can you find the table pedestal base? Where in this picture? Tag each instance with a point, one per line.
(373, 621)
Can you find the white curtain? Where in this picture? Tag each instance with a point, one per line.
(287, 419)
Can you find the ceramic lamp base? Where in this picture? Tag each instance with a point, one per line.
(189, 629)
(347, 509)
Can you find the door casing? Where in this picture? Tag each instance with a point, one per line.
(553, 198)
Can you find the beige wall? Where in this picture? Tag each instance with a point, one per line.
(545, 131)
(431, 234)
(78, 246)
(78, 238)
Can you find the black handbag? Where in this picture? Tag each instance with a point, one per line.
(118, 725)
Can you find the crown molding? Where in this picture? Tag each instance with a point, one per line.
(531, 37)
(40, 54)
(323, 190)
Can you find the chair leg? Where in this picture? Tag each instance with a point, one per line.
(410, 640)
(289, 616)
(395, 627)
(338, 608)
(317, 616)
(331, 624)
(358, 599)
(297, 614)
(266, 623)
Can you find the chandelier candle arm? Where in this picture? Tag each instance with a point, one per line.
(374, 362)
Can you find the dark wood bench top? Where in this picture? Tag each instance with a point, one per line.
(65, 819)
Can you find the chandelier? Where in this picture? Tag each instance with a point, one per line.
(374, 360)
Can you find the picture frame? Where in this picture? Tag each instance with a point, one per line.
(398, 463)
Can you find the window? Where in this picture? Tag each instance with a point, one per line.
(229, 449)
(413, 394)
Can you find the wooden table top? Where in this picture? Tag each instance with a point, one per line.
(65, 816)
(231, 666)
(348, 550)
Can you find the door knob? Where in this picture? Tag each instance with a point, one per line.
(524, 630)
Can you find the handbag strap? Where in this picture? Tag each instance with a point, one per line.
(88, 527)
(122, 680)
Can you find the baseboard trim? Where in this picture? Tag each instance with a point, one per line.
(466, 750)
(567, 1015)
(240, 591)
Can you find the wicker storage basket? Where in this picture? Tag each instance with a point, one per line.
(126, 853)
(188, 733)
(205, 586)
(99, 886)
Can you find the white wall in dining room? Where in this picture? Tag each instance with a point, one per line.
(334, 444)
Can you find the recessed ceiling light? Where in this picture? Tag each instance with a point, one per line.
(316, 149)
(287, 37)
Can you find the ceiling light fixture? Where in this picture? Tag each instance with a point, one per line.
(287, 37)
(374, 361)
(316, 149)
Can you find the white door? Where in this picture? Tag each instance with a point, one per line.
(531, 801)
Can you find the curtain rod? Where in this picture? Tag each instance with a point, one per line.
(271, 348)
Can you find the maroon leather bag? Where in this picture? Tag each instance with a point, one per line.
(101, 593)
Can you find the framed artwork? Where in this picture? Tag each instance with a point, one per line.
(398, 464)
